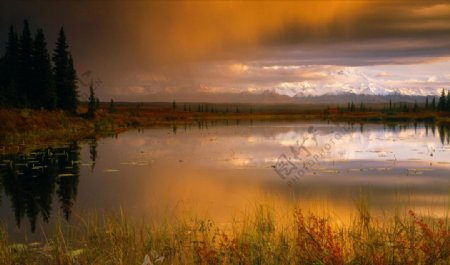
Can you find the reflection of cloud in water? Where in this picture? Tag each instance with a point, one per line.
(222, 168)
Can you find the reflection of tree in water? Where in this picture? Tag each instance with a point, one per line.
(30, 181)
(69, 168)
(442, 129)
(444, 134)
(93, 152)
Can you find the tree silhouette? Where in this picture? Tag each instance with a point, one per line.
(2, 82)
(447, 105)
(442, 101)
(9, 70)
(27, 78)
(25, 69)
(44, 91)
(65, 75)
(72, 87)
(112, 107)
(92, 105)
(406, 107)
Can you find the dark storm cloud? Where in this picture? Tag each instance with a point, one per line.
(379, 20)
(122, 41)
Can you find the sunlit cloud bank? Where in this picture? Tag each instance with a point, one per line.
(302, 80)
(175, 50)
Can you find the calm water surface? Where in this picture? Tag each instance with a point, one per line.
(220, 170)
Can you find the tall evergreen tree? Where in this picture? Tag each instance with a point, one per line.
(433, 103)
(10, 70)
(2, 81)
(64, 75)
(44, 91)
(72, 87)
(25, 71)
(442, 101)
(426, 103)
(61, 61)
(447, 106)
(92, 106)
(112, 107)
(416, 107)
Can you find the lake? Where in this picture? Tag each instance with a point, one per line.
(221, 169)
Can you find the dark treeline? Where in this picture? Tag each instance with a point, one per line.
(444, 101)
(214, 108)
(29, 78)
(430, 104)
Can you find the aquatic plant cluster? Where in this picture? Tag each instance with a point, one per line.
(31, 180)
(262, 237)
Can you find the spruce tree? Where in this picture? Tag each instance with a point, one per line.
(43, 89)
(72, 87)
(25, 75)
(2, 81)
(112, 107)
(426, 103)
(442, 101)
(447, 106)
(10, 70)
(91, 103)
(64, 75)
(61, 62)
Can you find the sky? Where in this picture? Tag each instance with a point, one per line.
(204, 50)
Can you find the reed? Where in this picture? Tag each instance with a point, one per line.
(261, 236)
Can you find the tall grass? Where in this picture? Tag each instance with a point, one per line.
(257, 237)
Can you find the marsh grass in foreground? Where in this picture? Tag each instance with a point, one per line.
(259, 238)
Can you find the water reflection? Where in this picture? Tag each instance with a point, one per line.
(218, 165)
(31, 180)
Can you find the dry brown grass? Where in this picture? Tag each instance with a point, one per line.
(260, 238)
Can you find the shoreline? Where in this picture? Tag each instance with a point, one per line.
(21, 129)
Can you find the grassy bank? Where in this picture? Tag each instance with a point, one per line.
(25, 128)
(261, 237)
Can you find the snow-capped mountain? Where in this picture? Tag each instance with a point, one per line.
(349, 80)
